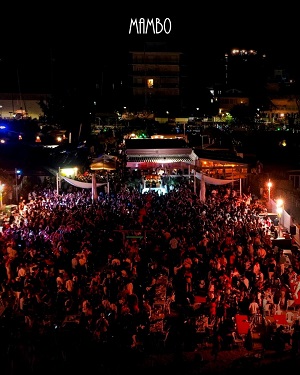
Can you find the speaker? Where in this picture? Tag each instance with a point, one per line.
(282, 243)
(293, 230)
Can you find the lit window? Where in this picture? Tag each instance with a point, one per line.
(150, 83)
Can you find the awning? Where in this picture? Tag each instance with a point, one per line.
(159, 159)
(105, 162)
(212, 180)
(107, 166)
(81, 184)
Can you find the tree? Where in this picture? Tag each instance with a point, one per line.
(69, 110)
(243, 114)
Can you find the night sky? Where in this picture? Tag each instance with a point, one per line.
(81, 40)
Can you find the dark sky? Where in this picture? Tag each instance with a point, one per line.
(83, 37)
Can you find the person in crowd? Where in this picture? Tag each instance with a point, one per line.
(76, 253)
(253, 308)
(295, 339)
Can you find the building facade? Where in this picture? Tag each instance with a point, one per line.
(14, 105)
(156, 78)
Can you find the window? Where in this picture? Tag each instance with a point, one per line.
(150, 83)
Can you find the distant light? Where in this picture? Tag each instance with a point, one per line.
(283, 143)
(279, 202)
(69, 171)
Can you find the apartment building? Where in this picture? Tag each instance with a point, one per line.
(156, 79)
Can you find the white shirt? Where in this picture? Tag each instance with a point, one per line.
(253, 308)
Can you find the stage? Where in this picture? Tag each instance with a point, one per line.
(160, 190)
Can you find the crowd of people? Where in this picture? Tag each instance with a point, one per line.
(69, 255)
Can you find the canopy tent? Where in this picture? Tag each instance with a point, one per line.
(81, 184)
(209, 180)
(106, 157)
(105, 162)
(212, 180)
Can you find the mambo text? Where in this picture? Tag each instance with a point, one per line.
(145, 25)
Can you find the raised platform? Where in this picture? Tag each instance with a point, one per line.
(160, 191)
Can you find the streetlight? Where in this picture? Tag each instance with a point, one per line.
(279, 209)
(17, 173)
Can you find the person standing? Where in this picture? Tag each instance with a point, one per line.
(254, 309)
(249, 340)
(216, 344)
(282, 261)
(295, 340)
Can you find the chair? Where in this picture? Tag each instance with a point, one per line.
(238, 341)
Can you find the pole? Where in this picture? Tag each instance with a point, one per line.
(16, 177)
(1, 187)
(269, 193)
(107, 183)
(279, 231)
(240, 187)
(57, 183)
(59, 178)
